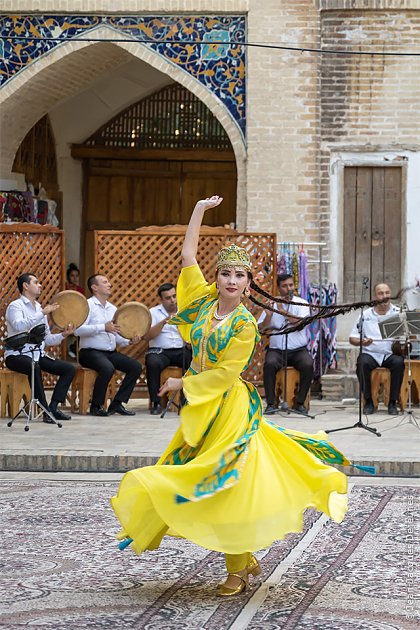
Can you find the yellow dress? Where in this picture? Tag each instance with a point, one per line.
(229, 480)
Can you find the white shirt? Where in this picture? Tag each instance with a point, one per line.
(296, 339)
(169, 336)
(379, 350)
(93, 334)
(21, 316)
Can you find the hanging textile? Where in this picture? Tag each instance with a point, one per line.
(322, 337)
(303, 275)
(292, 261)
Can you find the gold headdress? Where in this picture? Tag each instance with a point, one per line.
(233, 256)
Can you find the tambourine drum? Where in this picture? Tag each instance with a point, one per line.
(16, 342)
(134, 319)
(74, 309)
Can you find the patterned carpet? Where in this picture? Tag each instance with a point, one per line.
(60, 568)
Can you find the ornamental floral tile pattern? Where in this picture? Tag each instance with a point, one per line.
(209, 48)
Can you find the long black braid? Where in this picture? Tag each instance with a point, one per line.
(323, 311)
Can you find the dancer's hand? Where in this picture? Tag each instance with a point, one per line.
(171, 385)
(209, 202)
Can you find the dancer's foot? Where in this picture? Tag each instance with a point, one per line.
(253, 567)
(235, 584)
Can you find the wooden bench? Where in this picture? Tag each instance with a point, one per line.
(82, 388)
(292, 386)
(14, 387)
(380, 379)
(415, 383)
(174, 372)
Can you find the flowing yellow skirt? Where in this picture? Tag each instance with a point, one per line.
(278, 481)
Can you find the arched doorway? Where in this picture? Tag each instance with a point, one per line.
(36, 160)
(150, 163)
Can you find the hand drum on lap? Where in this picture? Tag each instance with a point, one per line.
(134, 319)
(74, 309)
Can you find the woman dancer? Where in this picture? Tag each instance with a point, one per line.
(229, 480)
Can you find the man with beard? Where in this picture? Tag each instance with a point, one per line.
(377, 352)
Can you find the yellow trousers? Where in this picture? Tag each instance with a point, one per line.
(237, 562)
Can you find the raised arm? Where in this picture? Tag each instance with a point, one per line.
(189, 248)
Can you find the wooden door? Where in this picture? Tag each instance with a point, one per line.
(128, 194)
(372, 228)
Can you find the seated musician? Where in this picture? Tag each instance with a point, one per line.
(377, 352)
(22, 315)
(286, 350)
(166, 346)
(99, 337)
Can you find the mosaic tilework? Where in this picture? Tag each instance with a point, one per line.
(218, 66)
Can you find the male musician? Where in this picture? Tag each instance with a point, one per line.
(377, 352)
(285, 350)
(99, 337)
(22, 315)
(166, 346)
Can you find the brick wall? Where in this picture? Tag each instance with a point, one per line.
(368, 103)
(283, 134)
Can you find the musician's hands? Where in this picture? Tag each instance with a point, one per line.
(110, 327)
(69, 330)
(171, 385)
(134, 340)
(367, 341)
(209, 202)
(50, 308)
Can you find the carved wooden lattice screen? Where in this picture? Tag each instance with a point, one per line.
(31, 248)
(138, 262)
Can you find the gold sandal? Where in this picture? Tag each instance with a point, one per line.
(226, 591)
(253, 567)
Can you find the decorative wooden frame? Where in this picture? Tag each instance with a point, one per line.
(38, 249)
(138, 262)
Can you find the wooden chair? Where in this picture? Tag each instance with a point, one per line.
(82, 388)
(13, 388)
(174, 372)
(415, 383)
(380, 379)
(292, 386)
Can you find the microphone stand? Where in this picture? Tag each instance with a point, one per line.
(284, 405)
(29, 410)
(409, 414)
(359, 424)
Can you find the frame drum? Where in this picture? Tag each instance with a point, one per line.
(133, 319)
(74, 309)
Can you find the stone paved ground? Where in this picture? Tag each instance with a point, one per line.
(60, 567)
(117, 443)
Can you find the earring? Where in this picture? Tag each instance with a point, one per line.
(247, 292)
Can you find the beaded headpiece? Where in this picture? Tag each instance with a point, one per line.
(233, 256)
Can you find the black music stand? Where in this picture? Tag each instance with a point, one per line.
(29, 409)
(359, 424)
(404, 326)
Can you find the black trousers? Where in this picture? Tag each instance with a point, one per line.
(105, 362)
(66, 371)
(299, 359)
(366, 363)
(155, 363)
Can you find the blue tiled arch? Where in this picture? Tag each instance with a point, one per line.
(209, 48)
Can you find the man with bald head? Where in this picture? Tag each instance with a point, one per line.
(377, 352)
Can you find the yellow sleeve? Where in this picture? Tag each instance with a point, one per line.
(204, 391)
(192, 286)
(191, 291)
